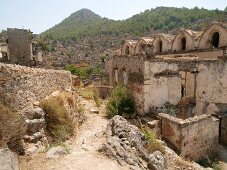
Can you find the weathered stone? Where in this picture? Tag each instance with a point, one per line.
(34, 125)
(36, 113)
(125, 143)
(56, 152)
(94, 110)
(157, 161)
(31, 150)
(8, 160)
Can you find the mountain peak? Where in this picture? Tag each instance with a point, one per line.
(84, 13)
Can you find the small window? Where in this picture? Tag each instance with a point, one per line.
(160, 46)
(127, 50)
(183, 44)
(182, 92)
(215, 40)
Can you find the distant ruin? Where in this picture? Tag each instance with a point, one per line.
(20, 48)
(187, 70)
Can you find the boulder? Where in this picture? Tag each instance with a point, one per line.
(8, 160)
(125, 143)
(157, 161)
(56, 152)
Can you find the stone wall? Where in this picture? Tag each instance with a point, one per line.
(21, 86)
(19, 46)
(192, 138)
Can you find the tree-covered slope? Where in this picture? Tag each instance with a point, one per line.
(85, 23)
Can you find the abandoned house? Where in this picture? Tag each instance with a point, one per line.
(187, 70)
(20, 48)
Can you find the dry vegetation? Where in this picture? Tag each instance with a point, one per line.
(12, 129)
(60, 124)
(90, 93)
(152, 143)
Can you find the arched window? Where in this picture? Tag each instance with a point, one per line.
(127, 50)
(215, 40)
(183, 44)
(160, 46)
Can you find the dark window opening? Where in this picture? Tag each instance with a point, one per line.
(215, 40)
(160, 46)
(182, 92)
(127, 50)
(183, 44)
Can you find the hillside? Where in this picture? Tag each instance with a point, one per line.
(85, 23)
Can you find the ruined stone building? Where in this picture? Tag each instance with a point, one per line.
(20, 48)
(187, 70)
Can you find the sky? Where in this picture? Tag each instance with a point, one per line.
(40, 15)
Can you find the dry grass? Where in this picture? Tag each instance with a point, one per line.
(152, 142)
(91, 93)
(59, 123)
(12, 129)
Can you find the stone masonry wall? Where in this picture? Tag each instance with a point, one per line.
(19, 46)
(21, 86)
(192, 138)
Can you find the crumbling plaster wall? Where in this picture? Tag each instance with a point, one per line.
(211, 86)
(159, 90)
(186, 136)
(134, 68)
(21, 86)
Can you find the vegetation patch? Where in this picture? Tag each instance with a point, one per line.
(84, 72)
(120, 101)
(91, 93)
(59, 123)
(152, 143)
(210, 163)
(12, 129)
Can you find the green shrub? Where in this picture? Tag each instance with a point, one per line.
(59, 124)
(120, 102)
(152, 143)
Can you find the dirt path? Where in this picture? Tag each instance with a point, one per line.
(83, 149)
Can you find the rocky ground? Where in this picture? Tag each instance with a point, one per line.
(102, 144)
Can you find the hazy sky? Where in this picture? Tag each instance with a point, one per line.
(39, 15)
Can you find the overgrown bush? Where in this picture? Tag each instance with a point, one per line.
(152, 143)
(12, 129)
(59, 124)
(120, 102)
